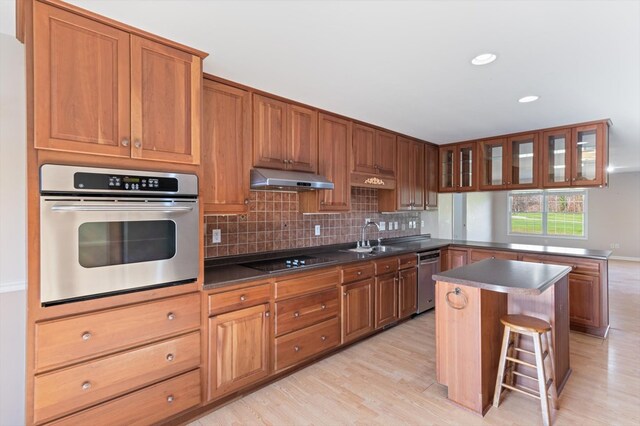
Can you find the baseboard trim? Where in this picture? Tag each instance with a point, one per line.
(628, 258)
(14, 286)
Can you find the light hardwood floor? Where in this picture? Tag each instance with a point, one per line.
(389, 379)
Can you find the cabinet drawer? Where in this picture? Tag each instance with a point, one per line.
(295, 347)
(73, 388)
(579, 266)
(408, 261)
(146, 406)
(384, 266)
(72, 339)
(357, 272)
(238, 299)
(294, 314)
(307, 283)
(478, 255)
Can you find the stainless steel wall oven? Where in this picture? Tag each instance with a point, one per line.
(109, 231)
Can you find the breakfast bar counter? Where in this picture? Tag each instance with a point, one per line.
(470, 301)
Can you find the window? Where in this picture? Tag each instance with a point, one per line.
(548, 213)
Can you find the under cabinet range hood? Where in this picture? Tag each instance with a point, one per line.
(286, 180)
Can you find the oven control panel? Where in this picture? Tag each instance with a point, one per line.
(124, 182)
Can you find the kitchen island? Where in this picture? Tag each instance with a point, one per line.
(470, 301)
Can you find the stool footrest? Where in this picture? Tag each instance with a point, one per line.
(519, 361)
(524, 375)
(525, 351)
(526, 392)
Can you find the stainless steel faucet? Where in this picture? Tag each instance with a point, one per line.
(365, 242)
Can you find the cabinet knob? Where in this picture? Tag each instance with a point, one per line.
(322, 202)
(171, 316)
(170, 357)
(86, 335)
(137, 144)
(267, 314)
(290, 161)
(86, 385)
(125, 142)
(323, 338)
(246, 201)
(493, 257)
(243, 298)
(170, 399)
(284, 161)
(359, 272)
(323, 306)
(387, 267)
(296, 348)
(296, 314)
(344, 294)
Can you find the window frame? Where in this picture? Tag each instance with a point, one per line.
(545, 210)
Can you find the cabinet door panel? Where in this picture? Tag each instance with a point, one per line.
(334, 162)
(303, 139)
(405, 183)
(556, 158)
(418, 175)
(588, 155)
(364, 149)
(238, 349)
(357, 309)
(447, 169)
(523, 161)
(81, 84)
(226, 148)
(584, 299)
(466, 166)
(431, 176)
(408, 292)
(166, 90)
(386, 300)
(269, 132)
(385, 155)
(492, 164)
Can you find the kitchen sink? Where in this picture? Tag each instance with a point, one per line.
(371, 251)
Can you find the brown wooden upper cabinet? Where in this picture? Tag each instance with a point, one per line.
(226, 148)
(334, 161)
(285, 136)
(575, 156)
(511, 162)
(101, 90)
(409, 191)
(458, 167)
(431, 176)
(373, 151)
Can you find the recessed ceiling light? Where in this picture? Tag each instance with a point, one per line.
(526, 99)
(484, 59)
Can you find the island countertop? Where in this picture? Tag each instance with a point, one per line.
(505, 276)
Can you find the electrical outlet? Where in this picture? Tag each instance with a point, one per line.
(216, 236)
(383, 226)
(396, 225)
(403, 226)
(317, 230)
(614, 245)
(422, 223)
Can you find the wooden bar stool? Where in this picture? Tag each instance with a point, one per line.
(514, 326)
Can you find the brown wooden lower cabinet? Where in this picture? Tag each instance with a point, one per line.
(453, 258)
(239, 343)
(408, 293)
(386, 299)
(357, 309)
(295, 347)
(584, 299)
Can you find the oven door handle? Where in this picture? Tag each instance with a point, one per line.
(114, 208)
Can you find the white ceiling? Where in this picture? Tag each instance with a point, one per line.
(404, 65)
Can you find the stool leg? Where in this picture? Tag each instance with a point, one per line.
(515, 340)
(503, 357)
(542, 382)
(554, 388)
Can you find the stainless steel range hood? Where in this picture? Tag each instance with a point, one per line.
(288, 180)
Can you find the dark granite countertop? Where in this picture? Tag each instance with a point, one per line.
(227, 271)
(506, 276)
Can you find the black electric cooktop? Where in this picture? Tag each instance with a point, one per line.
(277, 265)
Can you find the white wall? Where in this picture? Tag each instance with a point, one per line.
(12, 230)
(479, 216)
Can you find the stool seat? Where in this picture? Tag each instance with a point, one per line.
(526, 323)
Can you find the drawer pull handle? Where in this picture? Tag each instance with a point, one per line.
(323, 338)
(86, 335)
(359, 272)
(387, 267)
(170, 357)
(171, 316)
(344, 294)
(296, 314)
(323, 306)
(296, 348)
(86, 385)
(170, 399)
(243, 298)
(267, 314)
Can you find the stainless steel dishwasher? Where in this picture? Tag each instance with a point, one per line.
(428, 264)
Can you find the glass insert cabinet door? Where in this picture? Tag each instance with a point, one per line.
(466, 162)
(588, 155)
(447, 162)
(492, 160)
(556, 158)
(523, 161)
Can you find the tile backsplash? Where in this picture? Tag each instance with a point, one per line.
(274, 223)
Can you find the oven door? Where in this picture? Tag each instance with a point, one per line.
(98, 246)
